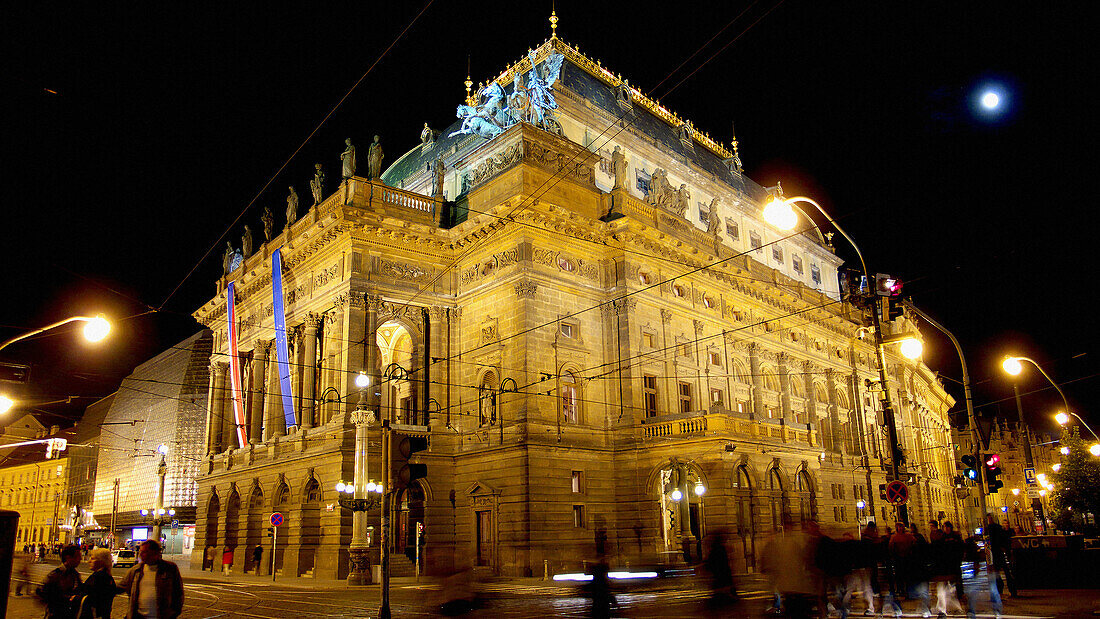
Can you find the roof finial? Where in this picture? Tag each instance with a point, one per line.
(553, 23)
(470, 99)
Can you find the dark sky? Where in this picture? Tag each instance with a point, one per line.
(164, 122)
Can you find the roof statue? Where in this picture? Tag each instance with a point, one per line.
(532, 101)
(347, 160)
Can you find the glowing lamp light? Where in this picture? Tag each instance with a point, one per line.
(370, 486)
(1056, 467)
(144, 512)
(97, 329)
(991, 100)
(1065, 451)
(5, 404)
(1094, 449)
(1015, 492)
(861, 504)
(700, 489)
(340, 487)
(1042, 477)
(171, 512)
(1012, 365)
(362, 380)
(780, 214)
(163, 449)
(1042, 493)
(677, 495)
(1062, 419)
(911, 348)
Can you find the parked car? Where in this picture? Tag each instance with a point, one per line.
(125, 557)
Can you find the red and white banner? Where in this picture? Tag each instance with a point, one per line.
(235, 371)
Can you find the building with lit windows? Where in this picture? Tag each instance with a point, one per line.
(37, 488)
(583, 310)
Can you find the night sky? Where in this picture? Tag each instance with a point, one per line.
(135, 137)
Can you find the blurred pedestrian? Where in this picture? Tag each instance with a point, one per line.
(62, 586)
(208, 558)
(258, 557)
(919, 571)
(227, 560)
(154, 585)
(1000, 544)
(947, 554)
(789, 562)
(723, 587)
(20, 572)
(100, 588)
(977, 580)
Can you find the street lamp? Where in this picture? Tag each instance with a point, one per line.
(780, 212)
(162, 471)
(974, 437)
(5, 404)
(1062, 418)
(96, 329)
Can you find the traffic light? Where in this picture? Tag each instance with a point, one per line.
(882, 491)
(890, 308)
(887, 286)
(970, 470)
(992, 470)
(271, 531)
(412, 471)
(55, 446)
(49, 449)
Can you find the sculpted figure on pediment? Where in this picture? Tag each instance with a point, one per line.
(291, 207)
(317, 184)
(683, 200)
(661, 193)
(713, 224)
(618, 167)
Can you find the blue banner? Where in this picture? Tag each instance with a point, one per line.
(283, 358)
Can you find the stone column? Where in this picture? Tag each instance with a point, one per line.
(274, 422)
(785, 390)
(373, 359)
(309, 369)
(229, 419)
(434, 370)
(215, 405)
(834, 416)
(258, 375)
(757, 382)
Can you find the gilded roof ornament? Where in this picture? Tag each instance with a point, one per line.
(553, 24)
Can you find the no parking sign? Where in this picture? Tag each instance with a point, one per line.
(276, 519)
(897, 493)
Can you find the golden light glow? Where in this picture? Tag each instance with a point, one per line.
(5, 404)
(1094, 449)
(1042, 477)
(780, 214)
(911, 348)
(1065, 451)
(1012, 366)
(1042, 493)
(1056, 467)
(1015, 492)
(1062, 419)
(97, 329)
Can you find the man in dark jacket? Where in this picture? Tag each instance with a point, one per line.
(62, 584)
(154, 585)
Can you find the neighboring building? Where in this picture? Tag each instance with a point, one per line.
(162, 402)
(84, 460)
(24, 428)
(628, 365)
(1023, 506)
(36, 488)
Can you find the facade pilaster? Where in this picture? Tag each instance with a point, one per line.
(216, 408)
(309, 369)
(757, 382)
(258, 374)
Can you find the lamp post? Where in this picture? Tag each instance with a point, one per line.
(780, 212)
(974, 436)
(361, 490)
(162, 472)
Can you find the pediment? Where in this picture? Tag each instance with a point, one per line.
(480, 488)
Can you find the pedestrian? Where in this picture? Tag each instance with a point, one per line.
(789, 562)
(1000, 543)
(227, 560)
(62, 586)
(154, 585)
(919, 571)
(100, 588)
(934, 532)
(257, 557)
(723, 588)
(208, 558)
(946, 554)
(977, 580)
(21, 574)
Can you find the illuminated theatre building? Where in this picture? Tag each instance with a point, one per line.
(628, 367)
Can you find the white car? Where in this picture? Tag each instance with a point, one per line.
(125, 557)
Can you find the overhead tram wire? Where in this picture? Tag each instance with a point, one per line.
(293, 154)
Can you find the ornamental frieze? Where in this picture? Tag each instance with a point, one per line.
(496, 164)
(547, 257)
(325, 276)
(526, 289)
(401, 270)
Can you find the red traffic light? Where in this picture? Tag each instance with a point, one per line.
(886, 285)
(991, 460)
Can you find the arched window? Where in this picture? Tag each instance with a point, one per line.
(256, 500)
(771, 382)
(740, 374)
(776, 499)
(282, 495)
(807, 497)
(569, 401)
(820, 395)
(312, 493)
(487, 399)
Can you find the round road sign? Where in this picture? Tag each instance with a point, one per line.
(897, 493)
(276, 519)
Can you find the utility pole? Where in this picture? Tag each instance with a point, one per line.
(114, 515)
(387, 499)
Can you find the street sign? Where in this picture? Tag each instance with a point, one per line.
(897, 493)
(175, 524)
(1029, 477)
(1032, 493)
(276, 519)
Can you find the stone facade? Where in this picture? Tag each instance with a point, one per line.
(577, 355)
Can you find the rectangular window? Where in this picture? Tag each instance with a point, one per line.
(741, 405)
(685, 398)
(642, 182)
(717, 396)
(755, 242)
(777, 254)
(565, 329)
(649, 390)
(797, 263)
(704, 213)
(578, 481)
(648, 340)
(770, 411)
(815, 274)
(843, 517)
(715, 358)
(683, 349)
(731, 229)
(578, 516)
